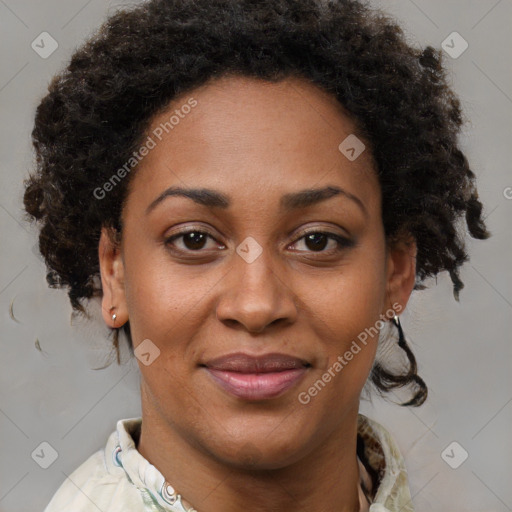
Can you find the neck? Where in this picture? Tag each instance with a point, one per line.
(325, 479)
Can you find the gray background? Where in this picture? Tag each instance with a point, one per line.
(55, 394)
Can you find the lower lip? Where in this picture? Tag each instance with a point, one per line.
(257, 386)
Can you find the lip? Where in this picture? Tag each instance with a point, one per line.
(257, 377)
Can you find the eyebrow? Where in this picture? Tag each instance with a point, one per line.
(292, 201)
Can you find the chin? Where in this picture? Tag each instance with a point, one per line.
(258, 454)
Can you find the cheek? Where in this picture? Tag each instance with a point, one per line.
(159, 298)
(166, 306)
(353, 298)
(348, 314)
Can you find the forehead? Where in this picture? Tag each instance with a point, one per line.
(252, 138)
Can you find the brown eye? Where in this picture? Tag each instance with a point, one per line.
(193, 240)
(317, 241)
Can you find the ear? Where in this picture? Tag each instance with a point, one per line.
(401, 272)
(112, 279)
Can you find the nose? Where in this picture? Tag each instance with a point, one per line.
(255, 295)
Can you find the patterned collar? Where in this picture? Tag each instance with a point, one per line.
(377, 449)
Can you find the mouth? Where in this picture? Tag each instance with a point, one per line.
(256, 377)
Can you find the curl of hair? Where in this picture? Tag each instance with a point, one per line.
(385, 381)
(97, 109)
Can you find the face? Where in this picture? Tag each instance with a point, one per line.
(257, 265)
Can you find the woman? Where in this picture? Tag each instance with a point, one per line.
(254, 189)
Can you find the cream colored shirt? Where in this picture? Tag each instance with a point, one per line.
(119, 479)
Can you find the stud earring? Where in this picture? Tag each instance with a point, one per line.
(114, 316)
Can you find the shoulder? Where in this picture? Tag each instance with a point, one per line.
(97, 484)
(381, 448)
(383, 455)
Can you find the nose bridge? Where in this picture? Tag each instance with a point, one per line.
(255, 268)
(255, 294)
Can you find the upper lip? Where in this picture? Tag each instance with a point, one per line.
(245, 363)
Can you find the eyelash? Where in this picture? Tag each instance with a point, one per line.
(342, 242)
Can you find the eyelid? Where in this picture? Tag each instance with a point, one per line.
(189, 229)
(322, 230)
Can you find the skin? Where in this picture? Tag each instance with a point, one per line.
(254, 141)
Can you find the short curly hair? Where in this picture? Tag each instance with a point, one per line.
(98, 109)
